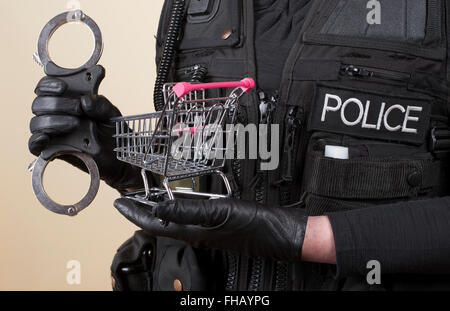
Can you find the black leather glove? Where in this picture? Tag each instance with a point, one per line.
(245, 227)
(58, 115)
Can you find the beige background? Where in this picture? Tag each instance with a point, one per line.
(35, 245)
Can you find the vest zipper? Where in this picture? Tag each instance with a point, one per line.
(233, 260)
(292, 125)
(196, 73)
(367, 72)
(280, 273)
(266, 109)
(282, 268)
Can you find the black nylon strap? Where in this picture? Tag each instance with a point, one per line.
(371, 179)
(130, 269)
(447, 9)
(433, 31)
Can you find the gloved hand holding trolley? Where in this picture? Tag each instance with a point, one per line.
(185, 139)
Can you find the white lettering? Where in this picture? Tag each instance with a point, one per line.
(246, 300)
(361, 111)
(386, 116)
(193, 301)
(327, 108)
(380, 116)
(366, 114)
(409, 118)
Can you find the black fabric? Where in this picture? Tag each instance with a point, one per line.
(319, 206)
(217, 27)
(390, 35)
(406, 238)
(447, 16)
(300, 37)
(317, 70)
(370, 178)
(379, 169)
(399, 19)
(277, 23)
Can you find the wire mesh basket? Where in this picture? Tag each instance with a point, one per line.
(190, 137)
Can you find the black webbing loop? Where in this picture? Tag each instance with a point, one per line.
(440, 140)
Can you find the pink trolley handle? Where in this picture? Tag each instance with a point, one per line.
(183, 88)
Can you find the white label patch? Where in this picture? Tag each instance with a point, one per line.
(371, 115)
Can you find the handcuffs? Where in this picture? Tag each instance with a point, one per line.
(82, 143)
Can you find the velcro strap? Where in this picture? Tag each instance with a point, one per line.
(371, 179)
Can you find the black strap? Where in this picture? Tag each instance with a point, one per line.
(447, 9)
(433, 31)
(133, 263)
(371, 179)
(440, 140)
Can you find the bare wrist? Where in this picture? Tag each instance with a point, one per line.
(319, 241)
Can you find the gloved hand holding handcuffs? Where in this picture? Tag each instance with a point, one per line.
(72, 122)
(57, 115)
(67, 103)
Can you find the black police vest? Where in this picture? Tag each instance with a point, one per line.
(363, 110)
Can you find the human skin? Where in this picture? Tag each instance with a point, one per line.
(319, 244)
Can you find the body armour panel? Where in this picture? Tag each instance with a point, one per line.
(362, 108)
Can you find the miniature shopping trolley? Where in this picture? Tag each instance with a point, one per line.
(189, 138)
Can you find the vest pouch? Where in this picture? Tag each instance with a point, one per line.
(376, 103)
(133, 264)
(177, 262)
(360, 172)
(212, 24)
(376, 133)
(147, 263)
(404, 26)
(210, 37)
